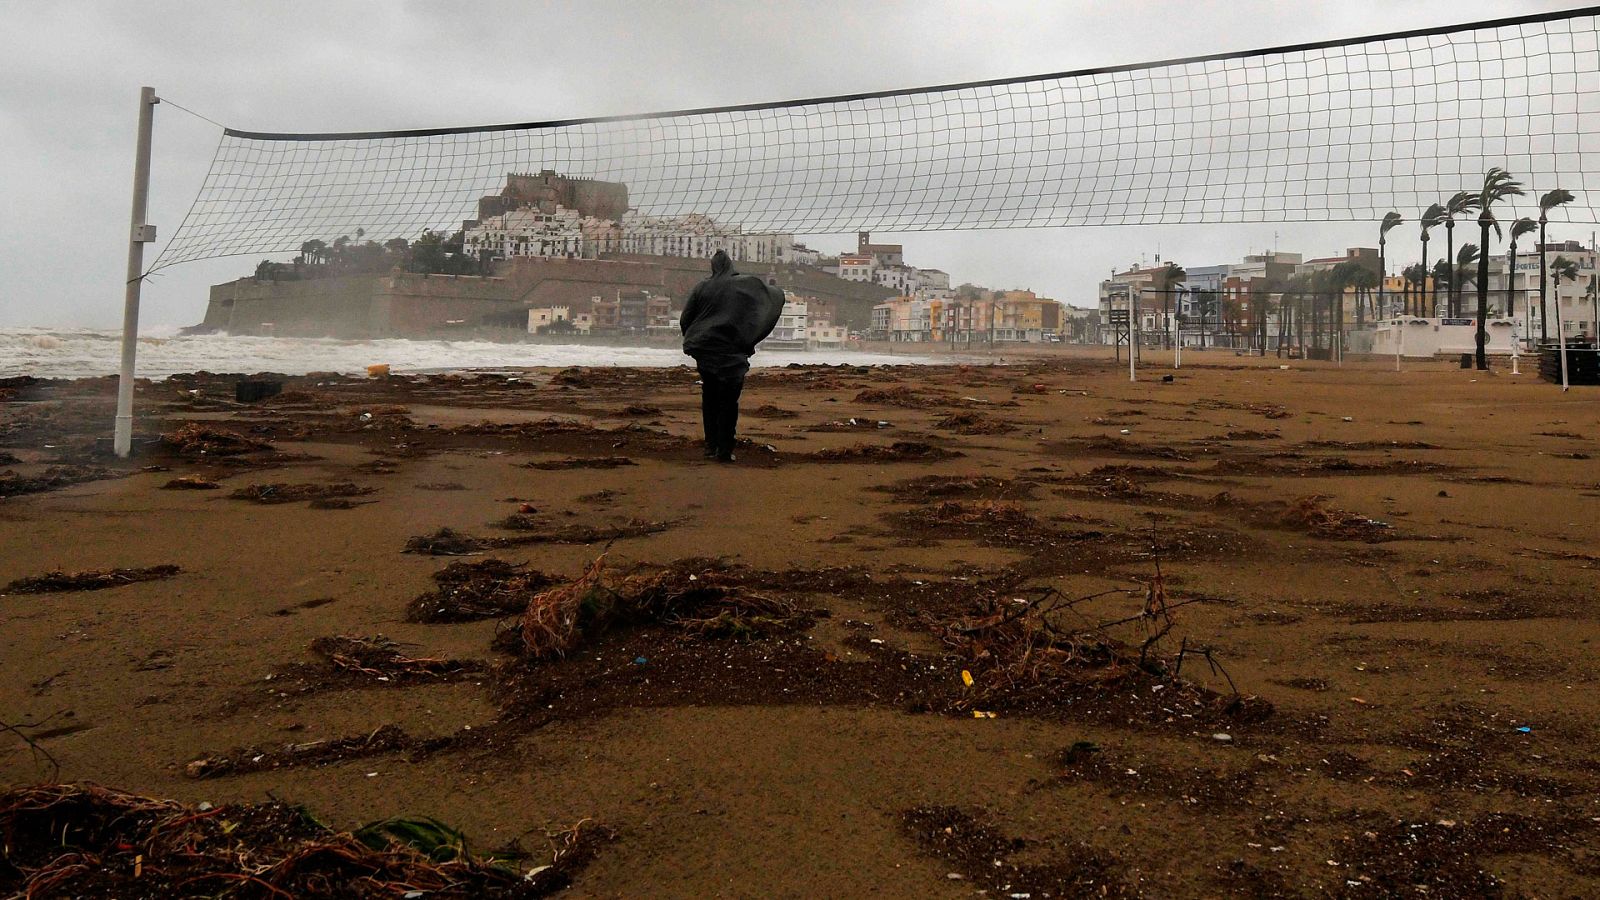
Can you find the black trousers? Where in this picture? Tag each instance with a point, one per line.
(719, 407)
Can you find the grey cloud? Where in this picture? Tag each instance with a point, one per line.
(69, 75)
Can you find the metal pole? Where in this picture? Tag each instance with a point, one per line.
(139, 234)
(1133, 336)
(1399, 340)
(1177, 340)
(1561, 332)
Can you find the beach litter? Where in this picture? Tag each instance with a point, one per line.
(899, 451)
(381, 658)
(13, 484)
(446, 542)
(470, 591)
(582, 462)
(61, 582)
(697, 598)
(190, 483)
(195, 439)
(84, 840)
(295, 493)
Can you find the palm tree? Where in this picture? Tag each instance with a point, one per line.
(1518, 228)
(1390, 221)
(1364, 280)
(316, 250)
(1562, 269)
(1466, 267)
(1431, 217)
(1546, 203)
(1497, 185)
(1415, 277)
(1462, 202)
(1170, 275)
(1441, 275)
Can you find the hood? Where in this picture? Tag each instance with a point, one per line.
(721, 263)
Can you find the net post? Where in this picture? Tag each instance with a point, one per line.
(1561, 333)
(139, 234)
(1133, 336)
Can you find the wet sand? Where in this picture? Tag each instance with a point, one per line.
(1394, 574)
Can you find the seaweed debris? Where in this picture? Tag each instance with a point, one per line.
(469, 591)
(705, 600)
(899, 451)
(295, 493)
(62, 582)
(196, 439)
(84, 840)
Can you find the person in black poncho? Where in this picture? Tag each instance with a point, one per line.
(727, 316)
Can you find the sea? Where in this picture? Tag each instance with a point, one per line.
(162, 351)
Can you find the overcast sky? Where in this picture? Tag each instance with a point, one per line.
(70, 74)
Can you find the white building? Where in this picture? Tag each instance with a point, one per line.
(699, 237)
(527, 232)
(541, 319)
(1577, 299)
(565, 233)
(824, 335)
(791, 332)
(800, 254)
(934, 284)
(856, 267)
(900, 279)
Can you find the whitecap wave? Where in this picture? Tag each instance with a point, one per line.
(83, 353)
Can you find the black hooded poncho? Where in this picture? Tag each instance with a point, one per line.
(728, 315)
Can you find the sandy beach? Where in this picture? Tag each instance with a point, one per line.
(1301, 631)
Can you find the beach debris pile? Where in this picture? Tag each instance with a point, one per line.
(1313, 514)
(83, 840)
(695, 596)
(448, 542)
(190, 483)
(470, 591)
(296, 493)
(1027, 653)
(58, 582)
(974, 486)
(983, 856)
(13, 484)
(382, 659)
(537, 530)
(900, 395)
(972, 424)
(196, 439)
(386, 739)
(899, 451)
(582, 462)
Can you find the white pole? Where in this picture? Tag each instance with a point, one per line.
(1516, 339)
(1561, 332)
(1399, 340)
(139, 234)
(1177, 343)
